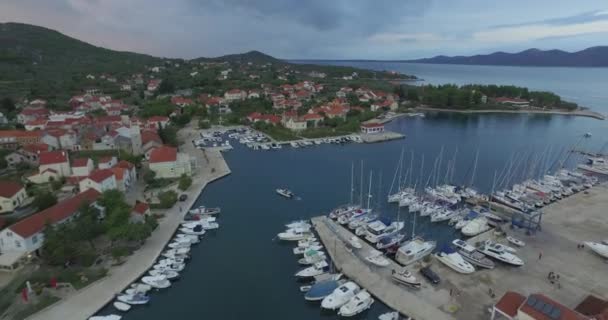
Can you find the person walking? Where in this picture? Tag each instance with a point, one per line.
(540, 255)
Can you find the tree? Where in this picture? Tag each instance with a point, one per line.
(167, 199)
(166, 86)
(184, 182)
(44, 200)
(7, 105)
(149, 176)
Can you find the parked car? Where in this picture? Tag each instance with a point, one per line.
(430, 275)
(183, 197)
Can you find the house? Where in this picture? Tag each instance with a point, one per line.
(129, 169)
(100, 180)
(32, 113)
(154, 84)
(181, 101)
(12, 196)
(36, 124)
(266, 118)
(294, 123)
(90, 77)
(82, 167)
(150, 140)
(28, 154)
(235, 94)
(513, 102)
(55, 160)
(166, 162)
(312, 119)
(537, 306)
(107, 162)
(384, 105)
(372, 128)
(253, 94)
(123, 179)
(27, 236)
(140, 211)
(125, 87)
(158, 122)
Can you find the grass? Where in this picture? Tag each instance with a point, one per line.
(44, 302)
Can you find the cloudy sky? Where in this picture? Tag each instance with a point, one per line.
(324, 29)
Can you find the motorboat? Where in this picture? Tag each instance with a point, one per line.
(179, 243)
(192, 238)
(498, 252)
(357, 304)
(295, 234)
(472, 255)
(137, 298)
(314, 270)
(196, 231)
(206, 225)
(475, 227)
(340, 296)
(454, 260)
(515, 241)
(321, 289)
(339, 211)
(312, 257)
(414, 250)
(378, 259)
(355, 243)
(467, 218)
(177, 267)
(298, 224)
(121, 306)
(171, 253)
(403, 276)
(376, 231)
(353, 216)
(285, 193)
(159, 282)
(392, 315)
(599, 248)
(443, 215)
(308, 242)
(389, 241)
(301, 250)
(360, 231)
(205, 210)
(169, 274)
(140, 287)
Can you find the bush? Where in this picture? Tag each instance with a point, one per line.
(167, 199)
(44, 200)
(149, 176)
(118, 252)
(184, 182)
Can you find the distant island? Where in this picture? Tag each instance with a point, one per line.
(590, 57)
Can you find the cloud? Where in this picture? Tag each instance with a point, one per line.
(531, 32)
(396, 38)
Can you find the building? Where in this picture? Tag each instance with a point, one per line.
(140, 211)
(513, 102)
(372, 128)
(12, 196)
(294, 123)
(28, 154)
(107, 162)
(100, 180)
(55, 160)
(82, 167)
(514, 306)
(235, 94)
(166, 162)
(157, 122)
(123, 178)
(130, 169)
(26, 236)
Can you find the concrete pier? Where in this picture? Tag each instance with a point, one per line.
(380, 137)
(425, 303)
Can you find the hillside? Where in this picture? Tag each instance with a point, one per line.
(256, 57)
(590, 57)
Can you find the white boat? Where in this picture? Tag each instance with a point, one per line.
(204, 210)
(206, 225)
(599, 248)
(405, 277)
(305, 288)
(357, 304)
(140, 287)
(378, 259)
(475, 227)
(315, 270)
(169, 274)
(298, 224)
(312, 257)
(301, 250)
(295, 234)
(192, 238)
(389, 241)
(177, 267)
(185, 243)
(121, 306)
(196, 231)
(414, 250)
(308, 242)
(340, 296)
(285, 193)
(355, 243)
(159, 282)
(374, 233)
(176, 252)
(393, 315)
(472, 255)
(454, 260)
(516, 241)
(498, 252)
(138, 298)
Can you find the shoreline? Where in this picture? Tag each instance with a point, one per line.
(89, 300)
(577, 113)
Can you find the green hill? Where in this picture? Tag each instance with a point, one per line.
(251, 56)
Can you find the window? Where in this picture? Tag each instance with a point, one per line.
(8, 233)
(17, 243)
(35, 238)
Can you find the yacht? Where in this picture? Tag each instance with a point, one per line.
(475, 227)
(403, 276)
(339, 211)
(443, 215)
(314, 270)
(159, 282)
(138, 298)
(121, 306)
(321, 289)
(196, 231)
(468, 218)
(379, 229)
(302, 250)
(312, 257)
(599, 248)
(355, 243)
(108, 317)
(498, 252)
(340, 296)
(205, 210)
(357, 304)
(179, 243)
(203, 223)
(378, 259)
(295, 234)
(414, 250)
(193, 239)
(515, 241)
(285, 193)
(389, 241)
(454, 260)
(472, 255)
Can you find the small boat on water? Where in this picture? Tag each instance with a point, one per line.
(312, 256)
(498, 252)
(305, 288)
(171, 266)
(355, 242)
(205, 210)
(454, 261)
(204, 224)
(472, 255)
(515, 241)
(108, 317)
(298, 224)
(196, 231)
(340, 296)
(192, 238)
(159, 282)
(599, 248)
(137, 298)
(302, 250)
(179, 243)
(378, 259)
(357, 304)
(393, 315)
(295, 234)
(140, 287)
(403, 276)
(314, 270)
(169, 274)
(285, 193)
(320, 290)
(121, 306)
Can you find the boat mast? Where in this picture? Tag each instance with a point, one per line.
(421, 170)
(474, 169)
(411, 166)
(491, 194)
(414, 227)
(378, 204)
(400, 184)
(369, 190)
(438, 166)
(390, 192)
(352, 186)
(361, 186)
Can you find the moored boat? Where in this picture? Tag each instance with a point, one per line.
(340, 296)
(498, 252)
(403, 276)
(285, 193)
(454, 261)
(472, 255)
(357, 304)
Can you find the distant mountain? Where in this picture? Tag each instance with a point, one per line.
(590, 57)
(256, 57)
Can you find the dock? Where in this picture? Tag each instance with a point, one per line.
(424, 303)
(381, 137)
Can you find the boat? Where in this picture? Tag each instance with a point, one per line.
(472, 255)
(169, 274)
(305, 288)
(140, 287)
(192, 238)
(599, 248)
(295, 234)
(414, 250)
(298, 224)
(516, 241)
(121, 306)
(312, 256)
(301, 250)
(320, 290)
(357, 304)
(177, 244)
(177, 267)
(467, 218)
(393, 315)
(340, 296)
(176, 252)
(108, 317)
(285, 193)
(498, 252)
(454, 260)
(138, 298)
(382, 228)
(159, 282)
(207, 225)
(205, 210)
(355, 243)
(389, 241)
(475, 227)
(308, 242)
(314, 270)
(378, 259)
(403, 276)
(196, 231)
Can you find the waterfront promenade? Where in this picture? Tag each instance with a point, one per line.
(87, 301)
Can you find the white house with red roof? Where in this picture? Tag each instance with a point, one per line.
(28, 154)
(32, 113)
(36, 124)
(386, 104)
(123, 179)
(100, 180)
(139, 212)
(154, 84)
(372, 128)
(157, 122)
(55, 160)
(27, 235)
(181, 101)
(107, 162)
(166, 162)
(130, 169)
(235, 94)
(82, 167)
(12, 196)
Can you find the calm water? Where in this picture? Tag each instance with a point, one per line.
(240, 272)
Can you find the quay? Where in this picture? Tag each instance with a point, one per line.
(424, 303)
(86, 302)
(381, 137)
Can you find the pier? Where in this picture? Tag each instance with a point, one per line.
(380, 137)
(424, 303)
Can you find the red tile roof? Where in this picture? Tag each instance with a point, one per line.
(80, 162)
(53, 157)
(106, 159)
(125, 164)
(141, 207)
(101, 175)
(312, 116)
(36, 147)
(119, 173)
(59, 212)
(158, 119)
(9, 188)
(163, 154)
(592, 306)
(510, 302)
(372, 125)
(147, 136)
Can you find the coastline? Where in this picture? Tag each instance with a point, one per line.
(89, 300)
(577, 113)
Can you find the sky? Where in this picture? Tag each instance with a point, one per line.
(321, 29)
